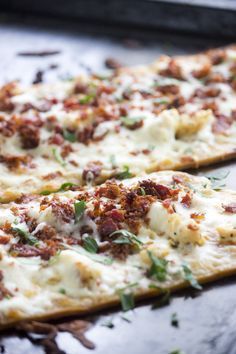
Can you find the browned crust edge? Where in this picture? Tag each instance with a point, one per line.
(113, 301)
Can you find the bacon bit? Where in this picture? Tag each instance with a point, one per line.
(52, 176)
(209, 92)
(6, 92)
(112, 63)
(168, 89)
(109, 190)
(177, 179)
(120, 252)
(222, 124)
(215, 78)
(167, 205)
(117, 215)
(217, 56)
(4, 239)
(107, 227)
(25, 198)
(16, 162)
(30, 136)
(92, 171)
(56, 139)
(64, 211)
(154, 189)
(86, 135)
(193, 227)
(177, 102)
(203, 72)
(211, 105)
(186, 200)
(231, 208)
(47, 233)
(19, 250)
(197, 216)
(66, 150)
(7, 127)
(80, 88)
(173, 70)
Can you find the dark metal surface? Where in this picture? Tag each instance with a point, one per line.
(206, 322)
(196, 16)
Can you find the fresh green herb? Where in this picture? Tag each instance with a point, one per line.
(7, 297)
(163, 300)
(142, 191)
(177, 351)
(26, 236)
(108, 323)
(126, 237)
(161, 101)
(124, 174)
(69, 136)
(190, 278)
(130, 121)
(62, 291)
(127, 297)
(86, 99)
(174, 320)
(90, 245)
(126, 319)
(158, 268)
(58, 157)
(80, 207)
(218, 181)
(54, 258)
(95, 257)
(64, 187)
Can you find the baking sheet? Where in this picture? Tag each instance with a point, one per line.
(207, 321)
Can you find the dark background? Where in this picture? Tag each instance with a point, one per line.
(133, 32)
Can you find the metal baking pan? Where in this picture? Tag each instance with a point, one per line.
(206, 320)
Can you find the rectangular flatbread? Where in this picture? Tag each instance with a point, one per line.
(173, 114)
(88, 248)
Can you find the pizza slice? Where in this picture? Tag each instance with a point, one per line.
(88, 248)
(173, 114)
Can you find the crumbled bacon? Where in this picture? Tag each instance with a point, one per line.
(215, 77)
(16, 162)
(4, 239)
(217, 56)
(30, 136)
(167, 205)
(112, 63)
(63, 211)
(205, 93)
(222, 124)
(168, 89)
(109, 190)
(177, 179)
(120, 251)
(152, 188)
(92, 171)
(6, 93)
(202, 72)
(186, 200)
(173, 70)
(20, 250)
(80, 88)
(230, 208)
(86, 135)
(197, 216)
(56, 139)
(107, 227)
(7, 127)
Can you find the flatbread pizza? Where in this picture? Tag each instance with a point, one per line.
(173, 114)
(86, 248)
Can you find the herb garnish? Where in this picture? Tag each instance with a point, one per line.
(127, 297)
(163, 300)
(80, 207)
(64, 187)
(188, 275)
(112, 160)
(86, 99)
(124, 174)
(126, 237)
(218, 181)
(95, 257)
(62, 291)
(108, 323)
(177, 351)
(30, 239)
(90, 244)
(174, 320)
(130, 121)
(69, 136)
(158, 268)
(58, 157)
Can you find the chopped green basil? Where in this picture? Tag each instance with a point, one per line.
(95, 257)
(64, 187)
(80, 207)
(158, 268)
(130, 121)
(30, 239)
(177, 351)
(62, 291)
(126, 237)
(90, 244)
(163, 300)
(127, 297)
(108, 324)
(188, 275)
(86, 99)
(124, 174)
(58, 157)
(218, 181)
(54, 258)
(174, 320)
(112, 160)
(69, 136)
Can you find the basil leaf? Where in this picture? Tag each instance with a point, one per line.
(69, 136)
(177, 351)
(124, 174)
(95, 257)
(108, 324)
(62, 291)
(86, 99)
(79, 209)
(174, 320)
(218, 181)
(58, 157)
(162, 301)
(158, 268)
(90, 244)
(190, 278)
(130, 121)
(126, 237)
(30, 239)
(112, 160)
(127, 298)
(64, 187)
